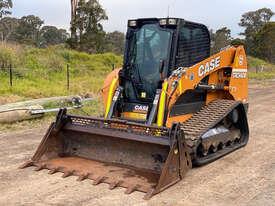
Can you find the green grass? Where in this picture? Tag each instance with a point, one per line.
(42, 72)
(262, 75)
(268, 69)
(39, 73)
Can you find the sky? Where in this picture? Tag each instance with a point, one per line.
(213, 13)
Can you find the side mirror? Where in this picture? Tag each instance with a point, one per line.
(161, 66)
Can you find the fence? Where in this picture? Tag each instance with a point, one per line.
(10, 75)
(45, 82)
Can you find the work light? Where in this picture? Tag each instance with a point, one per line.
(132, 23)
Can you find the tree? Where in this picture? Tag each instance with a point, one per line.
(265, 42)
(114, 42)
(5, 6)
(87, 23)
(238, 42)
(220, 39)
(253, 21)
(74, 4)
(28, 29)
(50, 35)
(8, 25)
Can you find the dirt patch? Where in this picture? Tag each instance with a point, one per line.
(10, 99)
(245, 177)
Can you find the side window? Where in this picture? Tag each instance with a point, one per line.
(194, 45)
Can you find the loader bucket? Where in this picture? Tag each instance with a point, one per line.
(116, 152)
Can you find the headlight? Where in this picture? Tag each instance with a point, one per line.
(172, 21)
(163, 22)
(132, 23)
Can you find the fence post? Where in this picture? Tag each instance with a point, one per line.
(11, 79)
(68, 77)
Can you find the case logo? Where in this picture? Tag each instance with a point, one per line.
(141, 108)
(206, 68)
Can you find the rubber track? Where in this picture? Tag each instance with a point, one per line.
(205, 119)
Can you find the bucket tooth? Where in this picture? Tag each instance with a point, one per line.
(206, 149)
(205, 153)
(53, 171)
(40, 167)
(82, 177)
(229, 143)
(214, 149)
(99, 180)
(26, 164)
(149, 194)
(221, 146)
(67, 174)
(115, 184)
(131, 189)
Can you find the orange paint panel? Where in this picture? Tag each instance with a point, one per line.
(213, 67)
(238, 86)
(181, 118)
(107, 84)
(134, 116)
(196, 73)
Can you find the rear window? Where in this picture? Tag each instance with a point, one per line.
(194, 45)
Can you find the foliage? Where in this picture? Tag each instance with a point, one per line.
(255, 64)
(238, 42)
(42, 72)
(87, 24)
(7, 26)
(114, 42)
(265, 42)
(5, 6)
(50, 35)
(252, 22)
(262, 75)
(7, 55)
(28, 29)
(220, 39)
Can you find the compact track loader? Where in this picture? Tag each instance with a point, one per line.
(170, 107)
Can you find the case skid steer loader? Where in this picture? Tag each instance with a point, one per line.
(170, 107)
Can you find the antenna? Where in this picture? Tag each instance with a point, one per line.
(168, 9)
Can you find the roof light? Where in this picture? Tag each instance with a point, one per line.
(172, 21)
(168, 21)
(132, 23)
(163, 22)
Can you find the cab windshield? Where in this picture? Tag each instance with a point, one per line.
(149, 45)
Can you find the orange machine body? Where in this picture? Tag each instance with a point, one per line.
(226, 70)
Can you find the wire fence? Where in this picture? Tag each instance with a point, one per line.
(45, 82)
(10, 76)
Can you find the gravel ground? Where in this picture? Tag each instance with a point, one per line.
(245, 177)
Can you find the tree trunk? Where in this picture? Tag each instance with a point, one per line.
(74, 4)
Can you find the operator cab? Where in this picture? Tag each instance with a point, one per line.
(154, 48)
